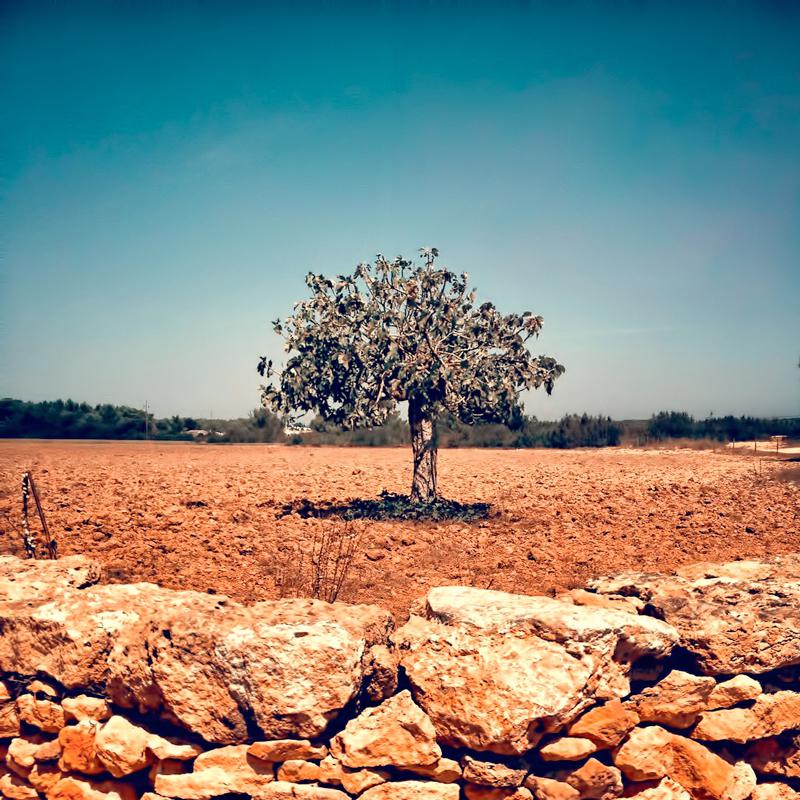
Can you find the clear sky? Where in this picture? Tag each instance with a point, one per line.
(631, 171)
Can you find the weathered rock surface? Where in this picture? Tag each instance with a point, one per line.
(771, 757)
(769, 715)
(551, 789)
(606, 725)
(492, 773)
(121, 747)
(412, 790)
(653, 753)
(738, 689)
(494, 670)
(287, 750)
(676, 700)
(397, 732)
(739, 617)
(75, 788)
(774, 791)
(665, 789)
(567, 748)
(207, 662)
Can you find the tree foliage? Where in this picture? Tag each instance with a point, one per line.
(394, 332)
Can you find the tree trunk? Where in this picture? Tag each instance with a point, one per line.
(423, 445)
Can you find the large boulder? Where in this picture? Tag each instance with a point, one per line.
(207, 663)
(740, 617)
(495, 670)
(769, 715)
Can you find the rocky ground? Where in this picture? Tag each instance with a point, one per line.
(210, 518)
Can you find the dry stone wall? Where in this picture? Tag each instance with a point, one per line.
(646, 686)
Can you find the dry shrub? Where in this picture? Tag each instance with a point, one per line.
(324, 572)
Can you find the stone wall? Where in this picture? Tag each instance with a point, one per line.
(646, 686)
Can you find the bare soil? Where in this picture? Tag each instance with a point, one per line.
(209, 518)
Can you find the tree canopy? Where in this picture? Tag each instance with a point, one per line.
(394, 331)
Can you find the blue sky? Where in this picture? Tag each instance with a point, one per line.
(170, 171)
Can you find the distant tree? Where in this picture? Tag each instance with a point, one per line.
(393, 332)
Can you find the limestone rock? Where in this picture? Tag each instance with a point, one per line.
(492, 773)
(287, 750)
(298, 771)
(23, 579)
(381, 666)
(14, 787)
(567, 748)
(396, 732)
(121, 747)
(676, 700)
(740, 617)
(653, 753)
(665, 789)
(596, 781)
(78, 750)
(611, 640)
(9, 719)
(209, 663)
(551, 789)
(445, 770)
(473, 791)
(75, 788)
(769, 715)
(771, 757)
(774, 791)
(356, 781)
(172, 749)
(203, 785)
(48, 751)
(581, 597)
(43, 714)
(738, 689)
(280, 790)
(21, 754)
(412, 790)
(43, 777)
(243, 773)
(605, 725)
(84, 707)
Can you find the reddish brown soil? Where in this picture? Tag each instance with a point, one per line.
(207, 517)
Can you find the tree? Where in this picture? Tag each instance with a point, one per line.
(394, 332)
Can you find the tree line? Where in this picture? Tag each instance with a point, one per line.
(67, 419)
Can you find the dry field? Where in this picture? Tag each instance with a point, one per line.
(208, 517)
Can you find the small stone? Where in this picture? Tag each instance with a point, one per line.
(738, 689)
(122, 747)
(596, 781)
(771, 757)
(172, 749)
(21, 753)
(606, 725)
(14, 787)
(666, 789)
(48, 751)
(280, 790)
(202, 785)
(769, 715)
(381, 667)
(412, 790)
(356, 781)
(445, 770)
(298, 771)
(44, 776)
(78, 751)
(43, 688)
(397, 732)
(550, 789)
(473, 791)
(75, 788)
(676, 700)
(567, 748)
(9, 719)
(653, 753)
(243, 773)
(43, 714)
(287, 750)
(774, 791)
(491, 773)
(85, 707)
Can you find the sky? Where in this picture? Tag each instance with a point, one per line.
(170, 171)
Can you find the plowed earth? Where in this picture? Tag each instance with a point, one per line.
(210, 517)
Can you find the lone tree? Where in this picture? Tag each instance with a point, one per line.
(394, 332)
